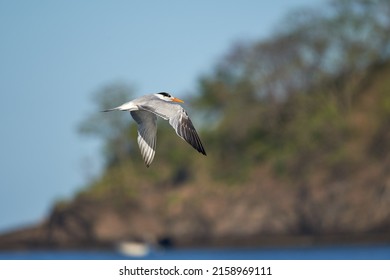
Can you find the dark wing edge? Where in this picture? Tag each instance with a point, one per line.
(186, 130)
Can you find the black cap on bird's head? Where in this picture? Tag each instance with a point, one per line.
(165, 95)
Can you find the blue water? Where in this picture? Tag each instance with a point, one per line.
(361, 252)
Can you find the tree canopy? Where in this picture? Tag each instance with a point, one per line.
(295, 104)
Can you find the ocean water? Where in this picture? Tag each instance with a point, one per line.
(355, 252)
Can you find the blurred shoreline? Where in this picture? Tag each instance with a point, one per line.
(37, 238)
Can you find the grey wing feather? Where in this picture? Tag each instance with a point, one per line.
(147, 130)
(186, 130)
(179, 120)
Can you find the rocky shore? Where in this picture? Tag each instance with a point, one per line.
(256, 214)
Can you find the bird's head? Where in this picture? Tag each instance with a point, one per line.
(167, 97)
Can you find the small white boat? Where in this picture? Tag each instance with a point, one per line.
(133, 249)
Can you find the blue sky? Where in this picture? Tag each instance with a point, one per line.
(55, 54)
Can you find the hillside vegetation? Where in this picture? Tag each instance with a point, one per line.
(310, 102)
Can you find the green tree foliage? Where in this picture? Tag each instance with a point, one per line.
(288, 100)
(297, 102)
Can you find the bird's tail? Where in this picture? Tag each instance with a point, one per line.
(109, 110)
(128, 106)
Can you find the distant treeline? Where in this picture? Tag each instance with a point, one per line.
(311, 101)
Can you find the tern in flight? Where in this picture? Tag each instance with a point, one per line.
(145, 110)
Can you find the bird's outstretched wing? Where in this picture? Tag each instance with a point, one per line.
(147, 130)
(179, 120)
